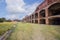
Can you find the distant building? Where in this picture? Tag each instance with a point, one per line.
(17, 20)
(48, 12)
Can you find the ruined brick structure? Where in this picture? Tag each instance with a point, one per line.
(48, 12)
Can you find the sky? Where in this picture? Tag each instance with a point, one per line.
(17, 9)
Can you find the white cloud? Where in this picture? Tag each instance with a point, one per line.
(19, 6)
(15, 5)
(31, 8)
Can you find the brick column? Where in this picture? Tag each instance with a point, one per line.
(46, 14)
(31, 18)
(34, 17)
(38, 18)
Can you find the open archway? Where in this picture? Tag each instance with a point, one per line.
(55, 21)
(42, 21)
(54, 9)
(42, 13)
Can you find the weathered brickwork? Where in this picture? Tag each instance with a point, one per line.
(48, 12)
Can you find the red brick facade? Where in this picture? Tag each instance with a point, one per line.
(48, 12)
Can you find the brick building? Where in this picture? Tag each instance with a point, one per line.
(48, 12)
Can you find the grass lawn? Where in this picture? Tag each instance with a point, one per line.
(5, 26)
(28, 31)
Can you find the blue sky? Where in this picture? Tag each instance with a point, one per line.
(17, 9)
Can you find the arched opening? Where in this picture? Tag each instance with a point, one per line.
(42, 13)
(42, 21)
(54, 21)
(54, 9)
(36, 15)
(36, 21)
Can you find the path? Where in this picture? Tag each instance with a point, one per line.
(7, 33)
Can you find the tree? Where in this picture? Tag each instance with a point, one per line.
(2, 19)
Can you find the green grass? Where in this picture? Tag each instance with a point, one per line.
(27, 31)
(5, 26)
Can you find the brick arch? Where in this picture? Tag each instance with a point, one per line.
(42, 13)
(54, 5)
(54, 9)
